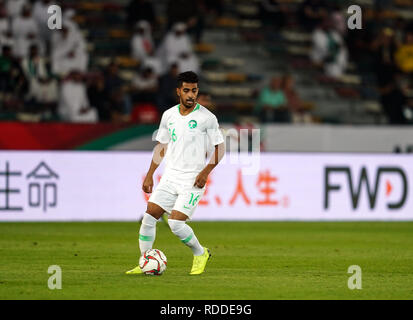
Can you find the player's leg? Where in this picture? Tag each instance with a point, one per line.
(147, 231)
(161, 200)
(177, 222)
(185, 206)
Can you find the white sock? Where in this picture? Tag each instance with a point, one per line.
(147, 232)
(186, 235)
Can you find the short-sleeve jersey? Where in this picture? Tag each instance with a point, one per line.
(187, 138)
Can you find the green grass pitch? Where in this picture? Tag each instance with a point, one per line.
(256, 260)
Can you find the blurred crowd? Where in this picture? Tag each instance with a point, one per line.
(37, 63)
(280, 102)
(45, 73)
(382, 51)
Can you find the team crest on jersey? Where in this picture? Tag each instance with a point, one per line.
(192, 124)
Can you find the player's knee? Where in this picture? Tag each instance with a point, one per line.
(154, 210)
(149, 220)
(176, 225)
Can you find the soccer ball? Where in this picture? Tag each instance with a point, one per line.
(153, 262)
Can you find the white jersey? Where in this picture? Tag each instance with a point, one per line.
(187, 138)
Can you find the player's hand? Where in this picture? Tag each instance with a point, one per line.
(147, 184)
(201, 179)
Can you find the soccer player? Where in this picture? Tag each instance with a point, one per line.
(182, 137)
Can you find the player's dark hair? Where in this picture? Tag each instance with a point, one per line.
(188, 77)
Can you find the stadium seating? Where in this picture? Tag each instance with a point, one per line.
(239, 54)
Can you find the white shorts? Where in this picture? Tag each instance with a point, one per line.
(179, 197)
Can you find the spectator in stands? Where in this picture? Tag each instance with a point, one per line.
(329, 50)
(45, 96)
(4, 22)
(404, 54)
(73, 103)
(383, 48)
(68, 20)
(401, 28)
(338, 19)
(175, 42)
(13, 83)
(15, 7)
(6, 64)
(145, 86)
(69, 51)
(25, 32)
(296, 106)
(34, 65)
(142, 42)
(359, 44)
(6, 37)
(167, 88)
(7, 40)
(34, 68)
(272, 104)
(97, 97)
(392, 97)
(115, 93)
(138, 10)
(41, 16)
(188, 61)
(153, 62)
(112, 80)
(143, 48)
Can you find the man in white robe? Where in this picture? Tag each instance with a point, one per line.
(34, 68)
(25, 33)
(329, 50)
(69, 51)
(5, 32)
(41, 16)
(174, 44)
(142, 42)
(14, 7)
(68, 20)
(187, 61)
(73, 101)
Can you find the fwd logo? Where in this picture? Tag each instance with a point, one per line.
(371, 185)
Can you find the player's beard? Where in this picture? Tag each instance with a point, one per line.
(186, 105)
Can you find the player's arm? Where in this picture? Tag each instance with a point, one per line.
(158, 155)
(159, 152)
(202, 177)
(217, 139)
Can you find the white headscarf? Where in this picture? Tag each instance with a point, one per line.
(140, 42)
(173, 45)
